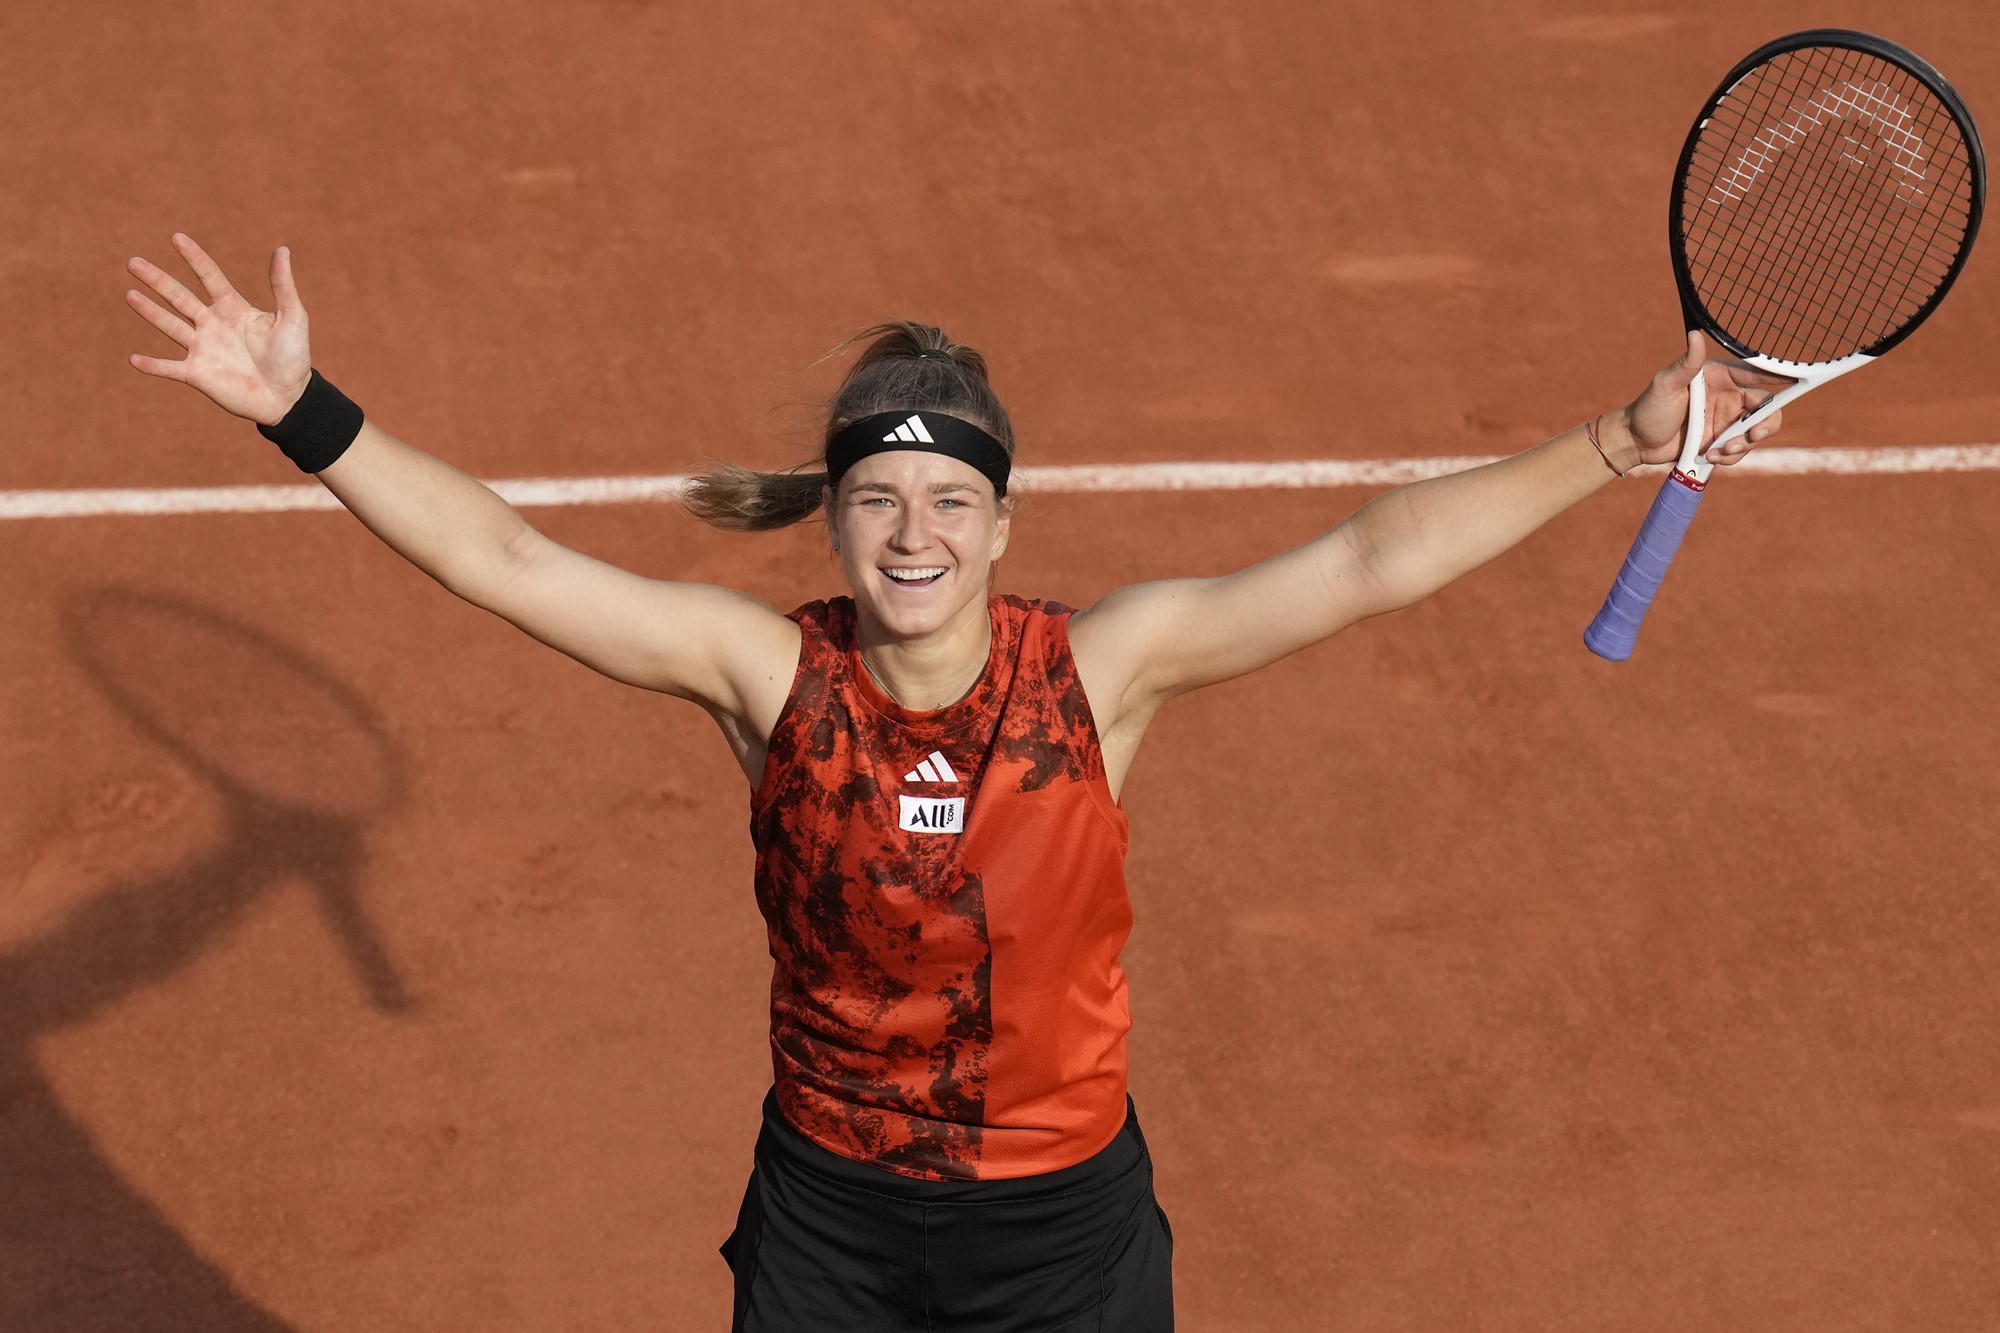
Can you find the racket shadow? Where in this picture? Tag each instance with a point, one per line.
(80, 1249)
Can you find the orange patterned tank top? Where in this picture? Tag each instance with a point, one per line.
(945, 897)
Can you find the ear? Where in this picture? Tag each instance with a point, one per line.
(1003, 527)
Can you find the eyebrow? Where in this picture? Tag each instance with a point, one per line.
(937, 487)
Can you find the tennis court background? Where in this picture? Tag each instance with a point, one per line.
(365, 966)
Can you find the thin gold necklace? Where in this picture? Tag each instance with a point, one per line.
(883, 685)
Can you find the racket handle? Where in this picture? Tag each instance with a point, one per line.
(1615, 632)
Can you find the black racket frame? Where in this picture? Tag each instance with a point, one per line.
(1692, 310)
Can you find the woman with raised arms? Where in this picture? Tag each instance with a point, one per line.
(934, 773)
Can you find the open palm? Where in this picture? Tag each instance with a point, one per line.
(253, 363)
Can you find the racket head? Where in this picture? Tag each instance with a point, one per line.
(1825, 200)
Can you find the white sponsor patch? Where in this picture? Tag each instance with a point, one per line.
(933, 814)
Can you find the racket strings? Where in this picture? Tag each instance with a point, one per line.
(1825, 201)
(1807, 207)
(1855, 283)
(1862, 274)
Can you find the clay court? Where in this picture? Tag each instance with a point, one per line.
(366, 966)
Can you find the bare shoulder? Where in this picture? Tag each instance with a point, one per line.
(718, 647)
(1153, 641)
(1124, 623)
(751, 640)
(1117, 644)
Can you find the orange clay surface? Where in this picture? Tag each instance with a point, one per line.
(366, 966)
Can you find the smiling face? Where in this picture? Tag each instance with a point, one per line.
(918, 536)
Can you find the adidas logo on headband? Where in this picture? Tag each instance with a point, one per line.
(910, 432)
(941, 433)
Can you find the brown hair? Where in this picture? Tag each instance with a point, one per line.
(908, 367)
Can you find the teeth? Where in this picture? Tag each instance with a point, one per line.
(914, 575)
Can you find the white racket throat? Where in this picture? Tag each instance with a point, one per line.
(1694, 464)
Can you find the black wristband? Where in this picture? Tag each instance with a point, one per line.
(319, 427)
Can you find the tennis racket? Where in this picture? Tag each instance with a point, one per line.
(1824, 203)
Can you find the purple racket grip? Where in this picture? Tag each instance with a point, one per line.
(1615, 632)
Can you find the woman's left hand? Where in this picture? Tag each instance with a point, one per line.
(1658, 418)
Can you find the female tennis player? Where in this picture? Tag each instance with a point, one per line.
(934, 774)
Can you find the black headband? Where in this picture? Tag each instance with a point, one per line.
(932, 432)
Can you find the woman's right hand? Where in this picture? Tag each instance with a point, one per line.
(253, 363)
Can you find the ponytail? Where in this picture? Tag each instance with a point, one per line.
(742, 500)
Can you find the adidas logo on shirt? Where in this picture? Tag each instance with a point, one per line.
(931, 814)
(910, 432)
(933, 768)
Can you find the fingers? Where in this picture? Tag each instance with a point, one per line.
(282, 287)
(1682, 372)
(1759, 433)
(1739, 448)
(204, 268)
(1750, 377)
(167, 289)
(166, 370)
(178, 329)
(1659, 415)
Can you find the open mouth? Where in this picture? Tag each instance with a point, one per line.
(915, 578)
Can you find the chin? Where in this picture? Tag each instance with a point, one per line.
(910, 622)
(913, 617)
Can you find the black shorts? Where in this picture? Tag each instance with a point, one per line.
(823, 1242)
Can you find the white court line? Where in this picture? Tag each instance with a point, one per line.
(1301, 474)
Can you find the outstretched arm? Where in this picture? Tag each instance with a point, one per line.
(717, 647)
(1144, 644)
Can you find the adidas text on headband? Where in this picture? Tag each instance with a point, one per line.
(931, 432)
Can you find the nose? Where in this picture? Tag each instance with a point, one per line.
(913, 531)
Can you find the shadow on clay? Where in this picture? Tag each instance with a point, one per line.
(302, 766)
